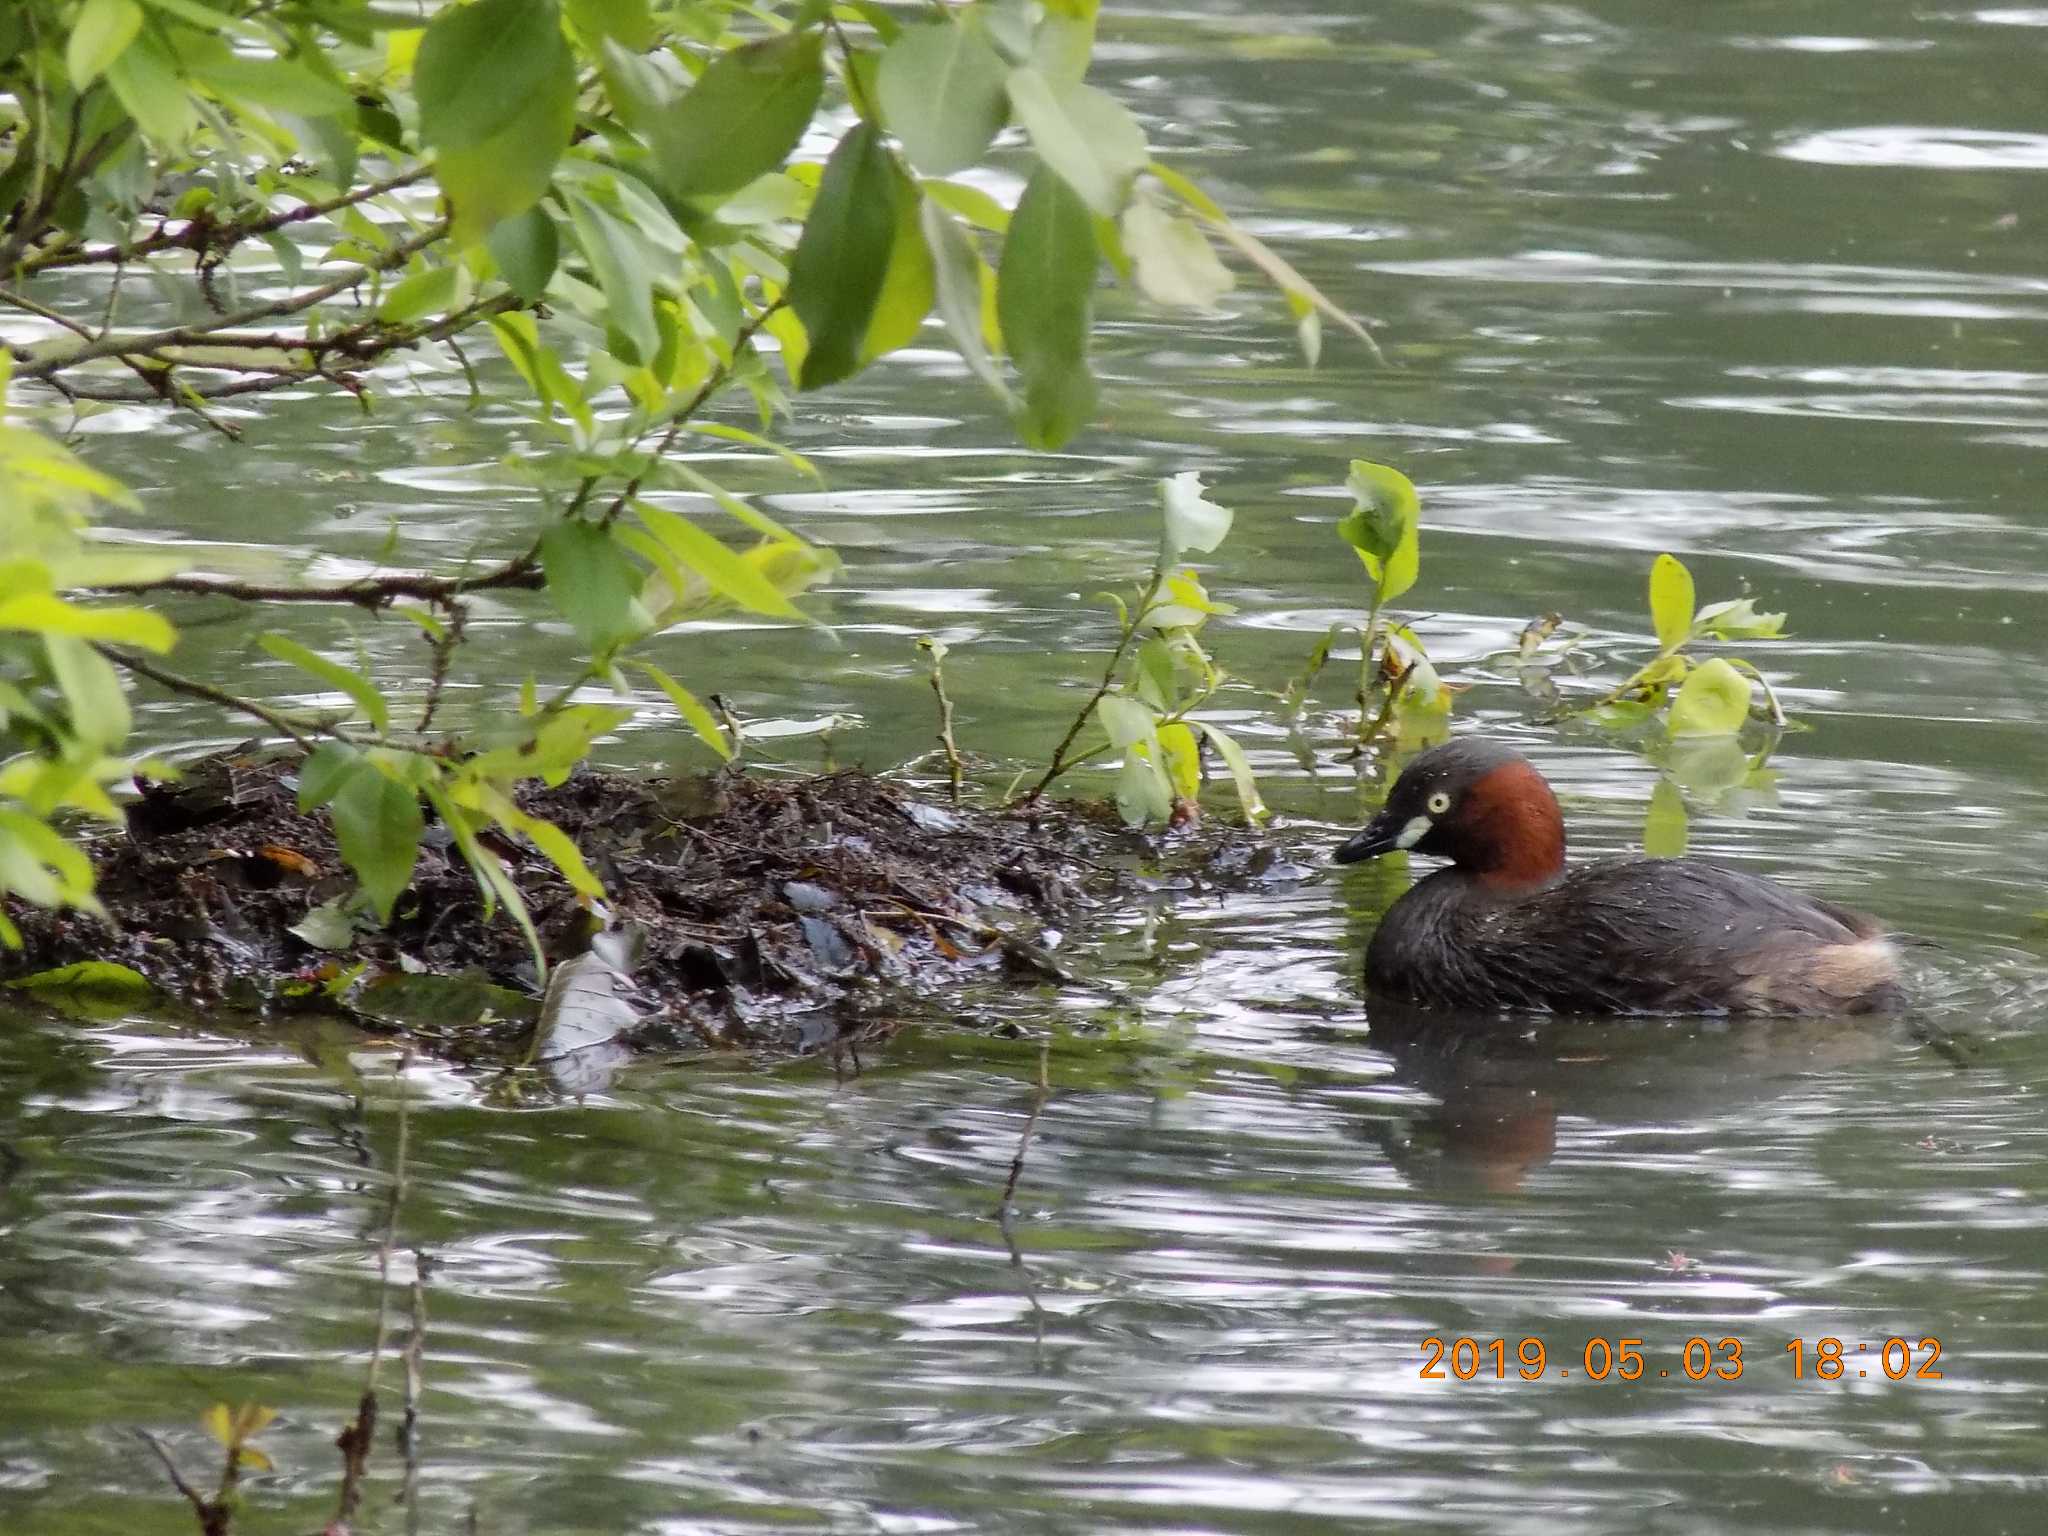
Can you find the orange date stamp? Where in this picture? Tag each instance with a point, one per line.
(1701, 1359)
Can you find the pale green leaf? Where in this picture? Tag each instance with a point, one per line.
(1087, 136)
(367, 696)
(1665, 825)
(92, 691)
(1386, 500)
(722, 570)
(694, 713)
(1172, 259)
(957, 272)
(1240, 767)
(1713, 701)
(101, 33)
(43, 613)
(1671, 601)
(1125, 720)
(941, 90)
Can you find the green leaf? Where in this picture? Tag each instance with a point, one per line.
(146, 80)
(1386, 500)
(908, 282)
(1172, 259)
(749, 515)
(1738, 619)
(626, 270)
(497, 90)
(639, 91)
(1084, 134)
(1665, 826)
(842, 257)
(91, 689)
(560, 741)
(971, 204)
(941, 89)
(89, 978)
(208, 18)
(377, 825)
(1143, 793)
(275, 85)
(429, 291)
(1713, 701)
(695, 714)
(483, 68)
(725, 572)
(957, 270)
(40, 866)
(1192, 521)
(1671, 601)
(104, 29)
(368, 698)
(42, 613)
(491, 877)
(628, 22)
(742, 117)
(492, 181)
(1182, 758)
(593, 584)
(326, 768)
(555, 845)
(327, 926)
(1240, 767)
(526, 248)
(1044, 295)
(1125, 720)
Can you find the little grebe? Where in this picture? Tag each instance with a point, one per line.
(1506, 926)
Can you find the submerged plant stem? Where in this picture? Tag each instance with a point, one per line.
(360, 1434)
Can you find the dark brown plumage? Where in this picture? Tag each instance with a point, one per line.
(1506, 926)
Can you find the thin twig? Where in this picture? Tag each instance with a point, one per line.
(188, 335)
(192, 1495)
(1367, 734)
(359, 1435)
(206, 234)
(444, 651)
(1059, 764)
(1007, 1205)
(191, 687)
(409, 1425)
(370, 592)
(937, 652)
(716, 380)
(1006, 1211)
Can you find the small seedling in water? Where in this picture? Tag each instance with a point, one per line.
(1712, 697)
(1399, 692)
(1145, 708)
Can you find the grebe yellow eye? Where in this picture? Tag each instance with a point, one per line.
(1439, 803)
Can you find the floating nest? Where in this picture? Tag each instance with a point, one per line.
(754, 911)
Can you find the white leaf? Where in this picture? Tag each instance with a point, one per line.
(1192, 521)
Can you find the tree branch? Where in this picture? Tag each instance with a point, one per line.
(203, 234)
(188, 335)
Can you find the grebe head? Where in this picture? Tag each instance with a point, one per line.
(1477, 803)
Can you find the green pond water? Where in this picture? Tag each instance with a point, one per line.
(1762, 284)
